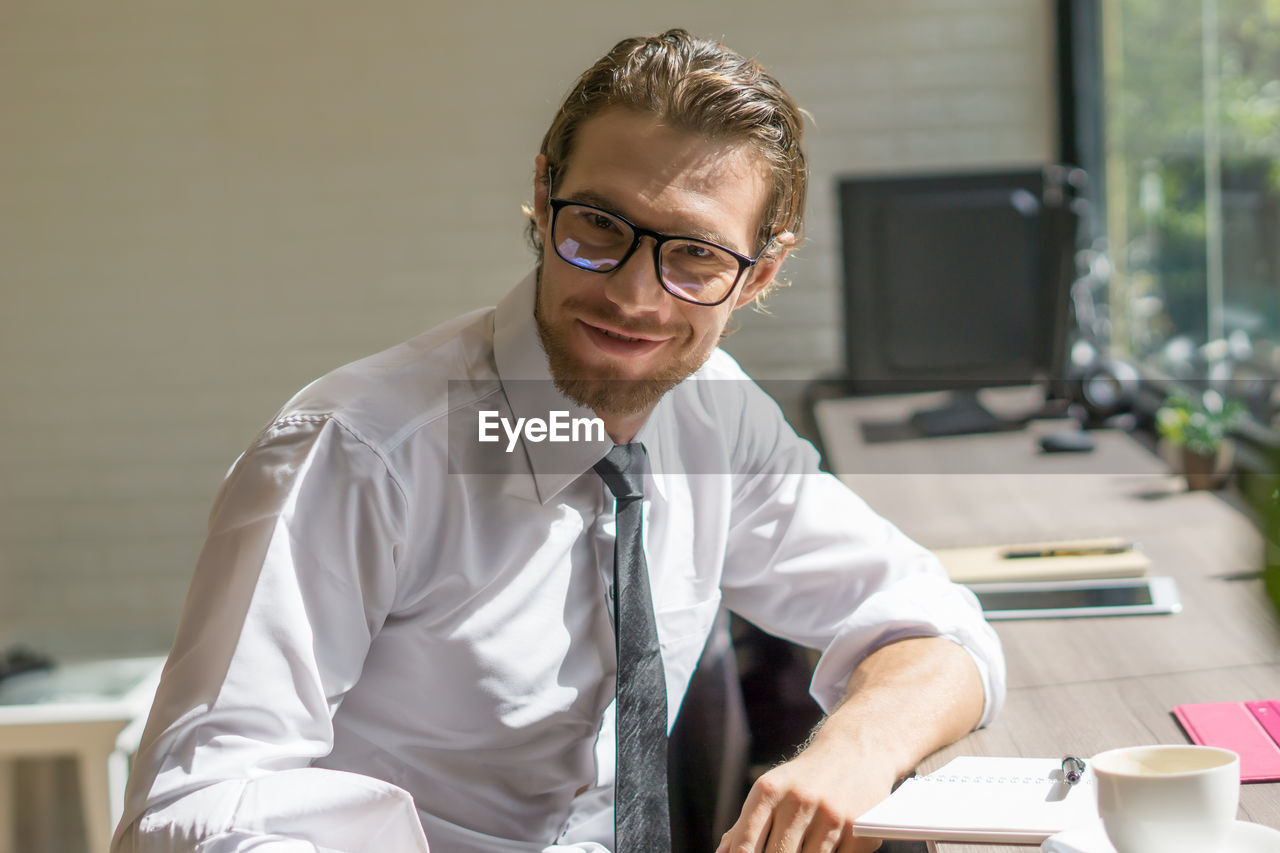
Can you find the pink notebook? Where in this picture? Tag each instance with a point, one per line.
(1251, 729)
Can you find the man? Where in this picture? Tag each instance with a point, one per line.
(406, 621)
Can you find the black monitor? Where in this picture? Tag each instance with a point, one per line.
(957, 282)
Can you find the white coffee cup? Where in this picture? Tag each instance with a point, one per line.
(1167, 799)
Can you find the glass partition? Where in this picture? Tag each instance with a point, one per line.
(1192, 125)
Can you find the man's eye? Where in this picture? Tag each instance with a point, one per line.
(601, 222)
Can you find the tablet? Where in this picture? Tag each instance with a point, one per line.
(1057, 599)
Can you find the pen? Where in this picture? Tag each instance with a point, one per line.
(1066, 552)
(1072, 769)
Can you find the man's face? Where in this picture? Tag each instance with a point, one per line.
(617, 341)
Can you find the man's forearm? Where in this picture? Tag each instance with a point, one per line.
(903, 702)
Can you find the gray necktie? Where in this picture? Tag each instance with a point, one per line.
(642, 823)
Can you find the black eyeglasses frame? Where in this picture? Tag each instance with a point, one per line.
(744, 262)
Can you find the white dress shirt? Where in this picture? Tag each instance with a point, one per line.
(395, 629)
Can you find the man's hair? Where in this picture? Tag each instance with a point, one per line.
(695, 85)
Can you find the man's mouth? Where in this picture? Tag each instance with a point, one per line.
(620, 337)
(618, 343)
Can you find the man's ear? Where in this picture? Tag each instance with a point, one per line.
(541, 191)
(766, 269)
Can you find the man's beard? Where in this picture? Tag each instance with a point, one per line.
(605, 393)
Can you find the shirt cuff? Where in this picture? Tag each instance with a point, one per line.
(921, 606)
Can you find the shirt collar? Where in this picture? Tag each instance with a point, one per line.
(531, 393)
(661, 422)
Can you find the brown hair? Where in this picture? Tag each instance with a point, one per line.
(696, 85)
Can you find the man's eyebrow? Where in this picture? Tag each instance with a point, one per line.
(596, 199)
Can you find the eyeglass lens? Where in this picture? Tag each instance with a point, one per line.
(591, 239)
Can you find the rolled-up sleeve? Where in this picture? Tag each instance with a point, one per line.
(810, 561)
(297, 575)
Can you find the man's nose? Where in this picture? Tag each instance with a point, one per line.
(635, 283)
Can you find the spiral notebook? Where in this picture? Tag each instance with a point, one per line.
(979, 798)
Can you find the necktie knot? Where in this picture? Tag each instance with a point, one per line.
(622, 470)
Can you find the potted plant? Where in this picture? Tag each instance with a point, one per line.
(1200, 427)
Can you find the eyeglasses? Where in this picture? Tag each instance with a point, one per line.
(598, 240)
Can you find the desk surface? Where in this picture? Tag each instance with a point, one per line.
(1079, 686)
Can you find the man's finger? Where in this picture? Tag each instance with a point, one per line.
(787, 830)
(822, 837)
(794, 824)
(749, 833)
(741, 840)
(857, 844)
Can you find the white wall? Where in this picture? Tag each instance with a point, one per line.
(204, 206)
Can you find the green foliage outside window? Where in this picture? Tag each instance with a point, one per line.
(1158, 143)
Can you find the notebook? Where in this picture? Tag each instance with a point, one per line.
(984, 799)
(1251, 729)
(989, 563)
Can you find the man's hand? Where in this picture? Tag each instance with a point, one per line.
(809, 804)
(903, 702)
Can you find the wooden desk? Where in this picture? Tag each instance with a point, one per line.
(1079, 686)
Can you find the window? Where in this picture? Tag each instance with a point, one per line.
(1190, 102)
